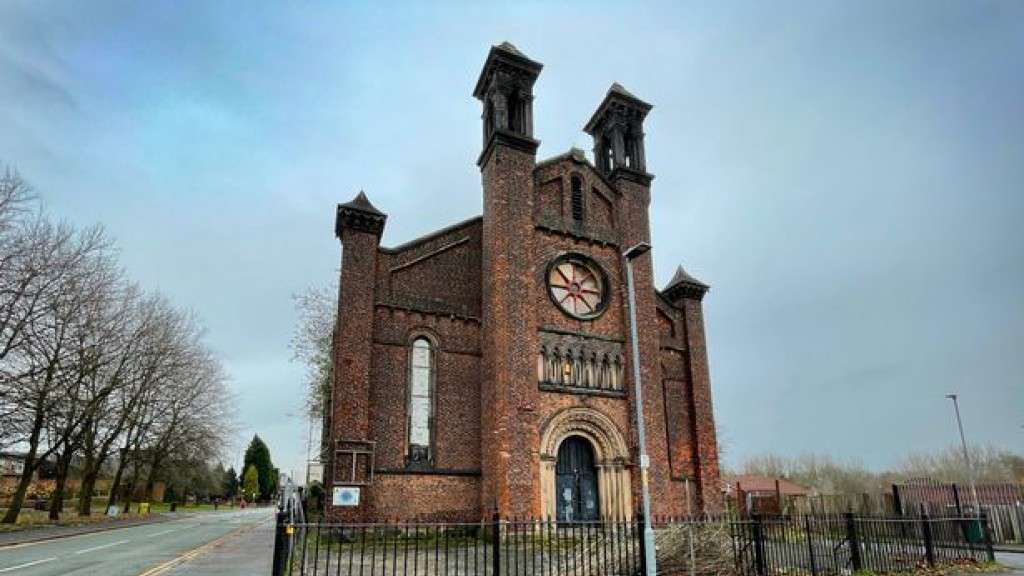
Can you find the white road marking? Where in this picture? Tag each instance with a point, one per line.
(27, 564)
(94, 548)
(162, 533)
(59, 539)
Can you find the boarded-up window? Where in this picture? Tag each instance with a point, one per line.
(353, 462)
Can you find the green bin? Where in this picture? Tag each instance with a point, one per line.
(975, 534)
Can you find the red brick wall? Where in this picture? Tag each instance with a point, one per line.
(707, 441)
(634, 227)
(350, 403)
(457, 388)
(479, 290)
(426, 498)
(509, 398)
(440, 273)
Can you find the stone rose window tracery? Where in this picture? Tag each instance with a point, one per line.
(577, 286)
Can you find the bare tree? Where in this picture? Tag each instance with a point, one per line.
(46, 370)
(194, 424)
(16, 200)
(115, 388)
(89, 366)
(151, 365)
(312, 343)
(990, 464)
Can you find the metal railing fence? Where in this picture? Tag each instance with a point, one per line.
(756, 546)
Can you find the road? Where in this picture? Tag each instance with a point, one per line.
(181, 546)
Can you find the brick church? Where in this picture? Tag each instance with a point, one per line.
(486, 366)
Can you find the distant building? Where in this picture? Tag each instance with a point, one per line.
(749, 493)
(486, 367)
(764, 486)
(12, 465)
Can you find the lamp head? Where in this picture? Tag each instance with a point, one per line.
(637, 251)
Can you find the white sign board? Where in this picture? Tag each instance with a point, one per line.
(346, 496)
(316, 472)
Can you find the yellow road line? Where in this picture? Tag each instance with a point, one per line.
(196, 552)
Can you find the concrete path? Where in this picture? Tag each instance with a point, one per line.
(149, 550)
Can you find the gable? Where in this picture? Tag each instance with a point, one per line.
(571, 196)
(437, 273)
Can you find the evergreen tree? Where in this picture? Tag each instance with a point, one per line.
(275, 478)
(258, 456)
(251, 483)
(229, 483)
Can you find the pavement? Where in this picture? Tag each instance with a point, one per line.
(249, 552)
(239, 542)
(1012, 560)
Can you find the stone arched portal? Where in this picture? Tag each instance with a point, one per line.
(611, 455)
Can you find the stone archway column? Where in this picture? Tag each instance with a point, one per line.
(613, 487)
(615, 493)
(548, 498)
(605, 489)
(626, 490)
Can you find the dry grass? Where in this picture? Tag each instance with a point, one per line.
(712, 553)
(30, 519)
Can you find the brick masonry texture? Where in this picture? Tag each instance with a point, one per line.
(478, 291)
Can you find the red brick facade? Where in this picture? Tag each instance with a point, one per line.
(512, 373)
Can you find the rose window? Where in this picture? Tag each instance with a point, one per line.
(577, 286)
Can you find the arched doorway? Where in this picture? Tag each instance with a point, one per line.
(608, 458)
(576, 481)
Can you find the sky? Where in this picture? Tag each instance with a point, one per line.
(847, 176)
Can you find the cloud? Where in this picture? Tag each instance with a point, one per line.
(846, 177)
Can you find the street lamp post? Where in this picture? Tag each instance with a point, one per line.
(967, 458)
(649, 555)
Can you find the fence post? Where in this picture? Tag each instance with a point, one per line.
(760, 561)
(280, 544)
(987, 536)
(496, 544)
(929, 545)
(643, 547)
(852, 537)
(810, 545)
